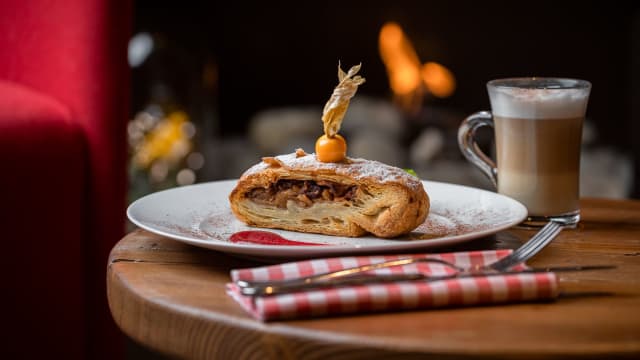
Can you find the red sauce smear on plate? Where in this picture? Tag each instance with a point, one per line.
(265, 238)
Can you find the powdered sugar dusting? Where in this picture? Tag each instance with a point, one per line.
(355, 168)
(449, 223)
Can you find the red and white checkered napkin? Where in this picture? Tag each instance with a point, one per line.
(390, 296)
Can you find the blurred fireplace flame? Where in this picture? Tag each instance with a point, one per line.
(438, 79)
(408, 78)
(401, 60)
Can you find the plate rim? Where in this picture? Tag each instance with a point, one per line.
(312, 251)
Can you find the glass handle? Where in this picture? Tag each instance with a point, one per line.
(469, 147)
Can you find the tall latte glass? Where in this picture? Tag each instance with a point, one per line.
(538, 125)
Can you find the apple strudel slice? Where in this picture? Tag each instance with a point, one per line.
(350, 198)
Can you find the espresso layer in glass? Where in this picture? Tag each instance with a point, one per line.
(539, 162)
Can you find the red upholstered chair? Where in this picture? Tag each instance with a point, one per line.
(64, 93)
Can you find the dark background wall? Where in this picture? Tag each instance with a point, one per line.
(277, 53)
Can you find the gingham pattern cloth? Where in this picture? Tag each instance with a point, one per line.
(390, 296)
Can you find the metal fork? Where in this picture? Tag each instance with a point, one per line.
(528, 249)
(522, 254)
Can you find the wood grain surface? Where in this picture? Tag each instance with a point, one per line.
(170, 297)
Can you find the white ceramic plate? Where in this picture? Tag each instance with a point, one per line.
(200, 215)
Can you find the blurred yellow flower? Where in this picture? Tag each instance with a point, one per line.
(169, 140)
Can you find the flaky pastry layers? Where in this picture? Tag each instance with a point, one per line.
(351, 198)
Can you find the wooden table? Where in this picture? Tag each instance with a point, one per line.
(171, 297)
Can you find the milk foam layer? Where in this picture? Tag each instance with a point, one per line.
(538, 103)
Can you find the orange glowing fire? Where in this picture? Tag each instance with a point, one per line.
(438, 79)
(408, 78)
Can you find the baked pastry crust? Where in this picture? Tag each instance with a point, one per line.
(351, 198)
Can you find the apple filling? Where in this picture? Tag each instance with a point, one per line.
(304, 192)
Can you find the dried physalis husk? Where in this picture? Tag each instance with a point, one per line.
(336, 107)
